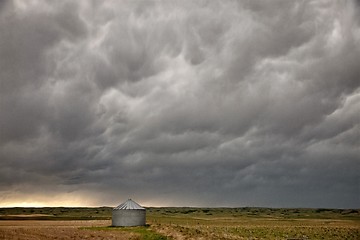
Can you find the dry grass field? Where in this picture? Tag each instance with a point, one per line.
(256, 223)
(182, 223)
(44, 229)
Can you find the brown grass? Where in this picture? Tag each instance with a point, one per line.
(230, 224)
(41, 230)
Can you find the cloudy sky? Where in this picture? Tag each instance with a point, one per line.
(180, 103)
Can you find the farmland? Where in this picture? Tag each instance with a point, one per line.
(182, 223)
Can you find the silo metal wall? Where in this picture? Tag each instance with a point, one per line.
(128, 217)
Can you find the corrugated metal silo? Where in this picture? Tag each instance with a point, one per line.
(129, 214)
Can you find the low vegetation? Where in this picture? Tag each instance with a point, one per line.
(202, 223)
(256, 223)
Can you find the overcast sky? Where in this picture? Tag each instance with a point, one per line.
(180, 103)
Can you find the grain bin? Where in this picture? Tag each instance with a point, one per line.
(128, 214)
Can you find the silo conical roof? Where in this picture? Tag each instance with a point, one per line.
(129, 205)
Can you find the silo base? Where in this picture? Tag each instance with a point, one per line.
(128, 218)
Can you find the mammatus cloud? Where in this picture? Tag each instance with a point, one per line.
(209, 103)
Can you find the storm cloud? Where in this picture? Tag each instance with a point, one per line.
(181, 103)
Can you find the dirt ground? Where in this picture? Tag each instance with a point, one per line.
(41, 230)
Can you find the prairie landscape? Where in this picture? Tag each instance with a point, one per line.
(227, 108)
(182, 223)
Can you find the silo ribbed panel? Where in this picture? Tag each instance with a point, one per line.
(129, 205)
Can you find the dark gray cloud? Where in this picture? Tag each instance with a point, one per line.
(209, 103)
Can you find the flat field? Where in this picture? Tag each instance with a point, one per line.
(182, 223)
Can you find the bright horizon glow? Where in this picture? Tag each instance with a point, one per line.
(41, 204)
(70, 204)
(73, 203)
(62, 200)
